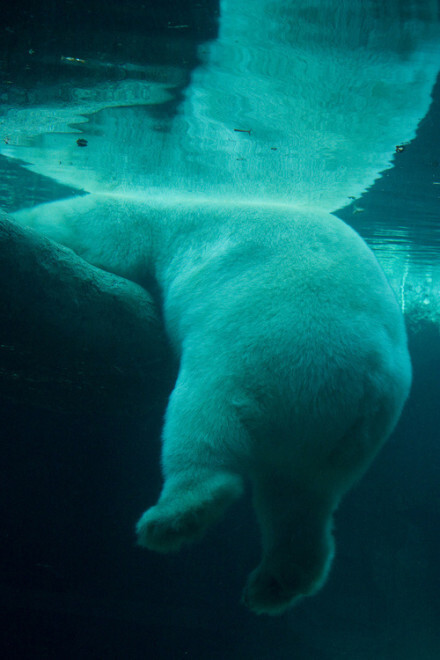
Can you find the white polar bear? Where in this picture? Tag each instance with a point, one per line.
(293, 359)
(293, 367)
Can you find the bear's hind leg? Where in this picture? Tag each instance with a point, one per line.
(201, 475)
(295, 510)
(298, 547)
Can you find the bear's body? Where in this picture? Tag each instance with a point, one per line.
(293, 367)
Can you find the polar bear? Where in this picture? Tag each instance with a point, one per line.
(292, 349)
(293, 367)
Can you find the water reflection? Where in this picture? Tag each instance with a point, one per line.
(282, 106)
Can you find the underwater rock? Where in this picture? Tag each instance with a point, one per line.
(74, 337)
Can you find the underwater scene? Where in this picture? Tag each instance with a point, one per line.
(220, 329)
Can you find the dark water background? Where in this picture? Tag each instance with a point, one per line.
(72, 582)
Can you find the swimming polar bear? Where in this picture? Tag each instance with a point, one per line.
(293, 367)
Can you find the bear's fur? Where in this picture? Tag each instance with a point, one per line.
(293, 367)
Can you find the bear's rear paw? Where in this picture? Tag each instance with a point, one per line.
(270, 591)
(266, 593)
(165, 530)
(185, 511)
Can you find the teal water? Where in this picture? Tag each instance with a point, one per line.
(241, 101)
